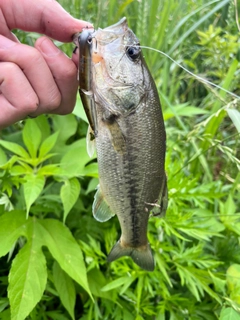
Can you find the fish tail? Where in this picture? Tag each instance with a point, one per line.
(142, 256)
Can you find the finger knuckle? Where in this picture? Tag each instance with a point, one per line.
(70, 72)
(30, 104)
(9, 68)
(34, 56)
(54, 101)
(66, 109)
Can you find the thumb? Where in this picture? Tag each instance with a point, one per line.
(45, 16)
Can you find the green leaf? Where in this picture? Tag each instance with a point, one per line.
(12, 226)
(32, 137)
(74, 161)
(92, 186)
(219, 284)
(48, 144)
(65, 288)
(79, 110)
(69, 194)
(65, 250)
(8, 165)
(28, 274)
(115, 283)
(96, 282)
(233, 282)
(5, 315)
(183, 110)
(235, 117)
(226, 84)
(66, 126)
(91, 170)
(229, 314)
(32, 189)
(3, 157)
(230, 206)
(18, 170)
(43, 125)
(196, 25)
(15, 148)
(233, 277)
(50, 170)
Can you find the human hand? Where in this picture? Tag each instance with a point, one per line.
(36, 80)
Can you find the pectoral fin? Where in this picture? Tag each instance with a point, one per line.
(90, 140)
(117, 137)
(101, 209)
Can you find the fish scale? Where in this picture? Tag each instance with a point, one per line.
(129, 132)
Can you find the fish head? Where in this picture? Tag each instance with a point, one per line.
(118, 69)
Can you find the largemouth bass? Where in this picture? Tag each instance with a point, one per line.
(122, 104)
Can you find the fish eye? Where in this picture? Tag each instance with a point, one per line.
(133, 52)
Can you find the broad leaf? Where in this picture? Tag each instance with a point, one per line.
(79, 110)
(69, 195)
(74, 161)
(183, 110)
(50, 170)
(229, 314)
(96, 282)
(235, 117)
(48, 144)
(9, 163)
(233, 277)
(15, 148)
(65, 288)
(32, 189)
(32, 137)
(43, 125)
(28, 274)
(12, 226)
(91, 170)
(65, 250)
(66, 126)
(230, 206)
(3, 157)
(5, 315)
(18, 170)
(233, 282)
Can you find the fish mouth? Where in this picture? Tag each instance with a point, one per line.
(115, 27)
(109, 34)
(106, 36)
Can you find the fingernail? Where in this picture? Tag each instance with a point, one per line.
(48, 47)
(6, 43)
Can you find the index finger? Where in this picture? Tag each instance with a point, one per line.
(45, 16)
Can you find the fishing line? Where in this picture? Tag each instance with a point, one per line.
(213, 85)
(191, 73)
(185, 69)
(195, 217)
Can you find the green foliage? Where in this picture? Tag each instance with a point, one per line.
(28, 274)
(52, 251)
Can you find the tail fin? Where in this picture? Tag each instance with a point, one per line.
(142, 256)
